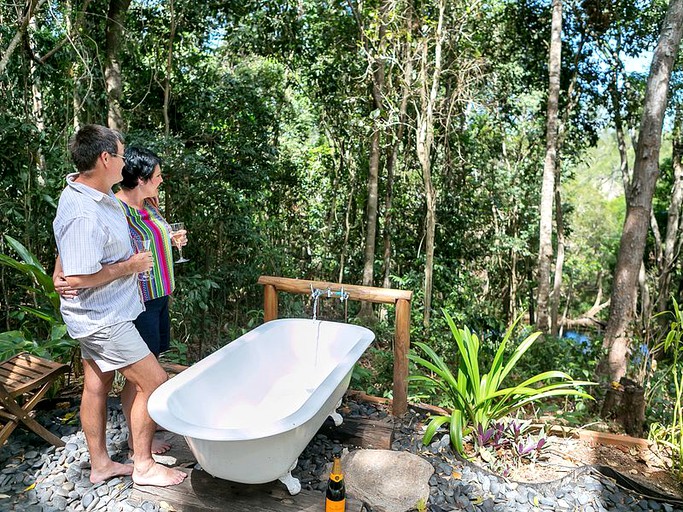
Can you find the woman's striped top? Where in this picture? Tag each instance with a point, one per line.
(148, 224)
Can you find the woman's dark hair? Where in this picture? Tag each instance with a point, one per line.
(140, 164)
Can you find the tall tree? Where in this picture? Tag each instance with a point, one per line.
(545, 242)
(639, 198)
(672, 237)
(112, 65)
(167, 79)
(376, 56)
(562, 131)
(396, 135)
(22, 25)
(429, 89)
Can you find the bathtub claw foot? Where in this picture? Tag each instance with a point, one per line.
(293, 484)
(337, 418)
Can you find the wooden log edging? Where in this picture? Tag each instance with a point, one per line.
(400, 298)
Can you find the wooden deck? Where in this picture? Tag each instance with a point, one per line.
(200, 491)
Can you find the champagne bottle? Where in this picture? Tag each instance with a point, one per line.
(335, 498)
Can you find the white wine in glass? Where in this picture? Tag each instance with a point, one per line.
(175, 228)
(143, 246)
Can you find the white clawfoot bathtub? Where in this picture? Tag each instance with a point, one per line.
(248, 410)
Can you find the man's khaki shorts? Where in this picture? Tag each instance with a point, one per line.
(114, 347)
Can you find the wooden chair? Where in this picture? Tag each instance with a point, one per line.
(24, 380)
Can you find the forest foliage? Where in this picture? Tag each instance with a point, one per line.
(272, 116)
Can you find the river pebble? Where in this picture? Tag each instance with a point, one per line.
(42, 478)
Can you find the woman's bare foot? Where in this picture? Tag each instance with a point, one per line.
(110, 471)
(159, 446)
(158, 476)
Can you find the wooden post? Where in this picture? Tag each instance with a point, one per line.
(269, 303)
(401, 347)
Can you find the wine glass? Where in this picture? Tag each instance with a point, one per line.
(143, 245)
(176, 227)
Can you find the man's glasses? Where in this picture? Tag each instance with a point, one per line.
(120, 156)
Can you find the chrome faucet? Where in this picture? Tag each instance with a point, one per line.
(316, 293)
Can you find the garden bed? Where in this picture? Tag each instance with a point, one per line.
(569, 449)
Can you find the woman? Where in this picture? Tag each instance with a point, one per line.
(139, 198)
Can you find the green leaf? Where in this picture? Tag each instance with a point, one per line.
(456, 432)
(38, 313)
(434, 423)
(24, 253)
(58, 332)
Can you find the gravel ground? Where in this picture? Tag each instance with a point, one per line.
(38, 477)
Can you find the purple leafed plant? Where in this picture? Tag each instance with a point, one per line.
(507, 444)
(515, 429)
(492, 436)
(532, 449)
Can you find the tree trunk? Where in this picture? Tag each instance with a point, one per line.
(347, 224)
(657, 246)
(530, 290)
(645, 303)
(169, 72)
(168, 195)
(36, 178)
(545, 247)
(559, 262)
(556, 296)
(632, 408)
(374, 164)
(639, 204)
(388, 199)
(425, 140)
(74, 67)
(511, 302)
(619, 128)
(669, 255)
(33, 6)
(112, 67)
(371, 219)
(393, 156)
(511, 290)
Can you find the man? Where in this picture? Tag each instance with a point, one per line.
(96, 257)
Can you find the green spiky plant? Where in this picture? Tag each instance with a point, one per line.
(479, 398)
(57, 344)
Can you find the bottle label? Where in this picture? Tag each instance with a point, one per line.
(335, 506)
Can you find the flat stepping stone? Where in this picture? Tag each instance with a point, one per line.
(388, 481)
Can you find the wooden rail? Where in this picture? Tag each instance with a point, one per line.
(401, 298)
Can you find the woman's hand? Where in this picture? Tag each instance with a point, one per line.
(62, 287)
(179, 238)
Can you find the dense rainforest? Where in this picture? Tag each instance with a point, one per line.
(499, 158)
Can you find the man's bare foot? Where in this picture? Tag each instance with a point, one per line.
(110, 471)
(158, 475)
(159, 446)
